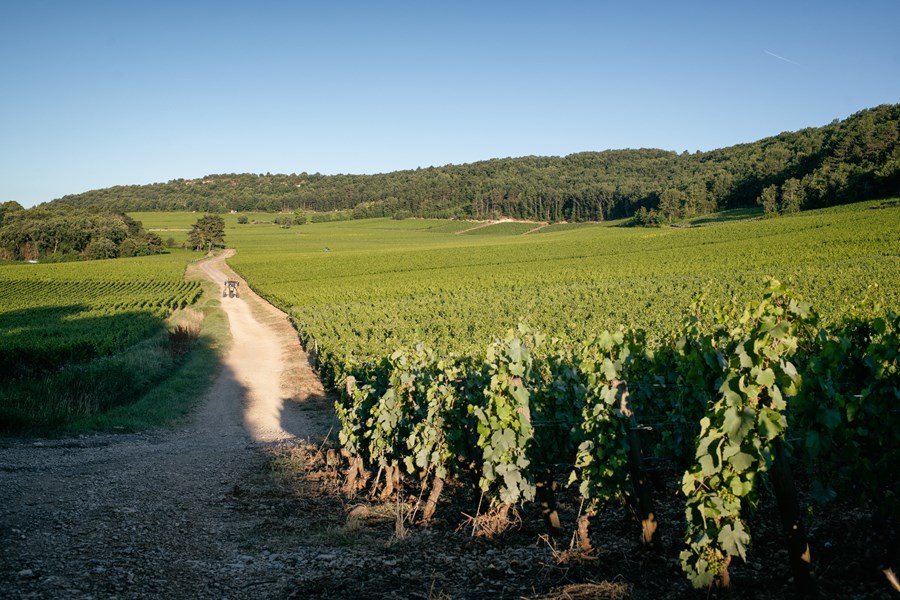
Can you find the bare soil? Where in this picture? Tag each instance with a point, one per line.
(247, 502)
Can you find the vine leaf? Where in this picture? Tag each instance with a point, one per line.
(741, 461)
(766, 378)
(734, 539)
(738, 423)
(771, 423)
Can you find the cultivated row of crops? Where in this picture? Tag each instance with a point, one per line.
(405, 323)
(718, 397)
(385, 284)
(56, 314)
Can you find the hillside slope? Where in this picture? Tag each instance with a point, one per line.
(854, 159)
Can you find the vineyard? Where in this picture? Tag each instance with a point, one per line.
(386, 284)
(54, 317)
(713, 399)
(629, 351)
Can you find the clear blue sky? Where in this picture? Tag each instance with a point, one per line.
(95, 94)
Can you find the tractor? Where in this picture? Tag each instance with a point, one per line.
(231, 289)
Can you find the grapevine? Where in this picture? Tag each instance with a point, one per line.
(736, 439)
(505, 429)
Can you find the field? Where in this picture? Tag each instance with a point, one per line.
(176, 225)
(488, 371)
(364, 287)
(679, 323)
(71, 332)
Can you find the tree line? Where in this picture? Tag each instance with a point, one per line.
(58, 232)
(855, 159)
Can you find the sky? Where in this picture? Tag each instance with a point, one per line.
(101, 93)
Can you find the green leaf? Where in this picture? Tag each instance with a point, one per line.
(738, 487)
(830, 418)
(822, 493)
(780, 330)
(737, 423)
(609, 369)
(771, 423)
(605, 340)
(813, 443)
(852, 409)
(515, 351)
(766, 378)
(520, 393)
(487, 454)
(732, 398)
(745, 359)
(730, 450)
(734, 539)
(741, 461)
(707, 465)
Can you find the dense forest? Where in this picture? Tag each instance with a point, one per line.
(854, 159)
(60, 232)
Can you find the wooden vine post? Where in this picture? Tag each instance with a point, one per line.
(791, 523)
(356, 473)
(437, 486)
(642, 487)
(545, 491)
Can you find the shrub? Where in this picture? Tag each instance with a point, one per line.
(182, 338)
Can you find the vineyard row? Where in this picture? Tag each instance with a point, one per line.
(730, 385)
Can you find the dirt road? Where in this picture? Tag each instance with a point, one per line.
(160, 515)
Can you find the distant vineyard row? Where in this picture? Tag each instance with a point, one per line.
(387, 285)
(51, 315)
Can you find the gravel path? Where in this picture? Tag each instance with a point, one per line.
(160, 515)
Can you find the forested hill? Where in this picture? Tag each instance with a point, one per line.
(854, 159)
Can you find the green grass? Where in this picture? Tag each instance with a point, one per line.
(174, 399)
(84, 343)
(555, 227)
(736, 214)
(177, 225)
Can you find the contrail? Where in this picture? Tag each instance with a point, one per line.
(787, 60)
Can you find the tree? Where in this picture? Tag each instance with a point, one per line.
(850, 160)
(9, 208)
(670, 203)
(791, 196)
(99, 248)
(57, 231)
(207, 233)
(768, 199)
